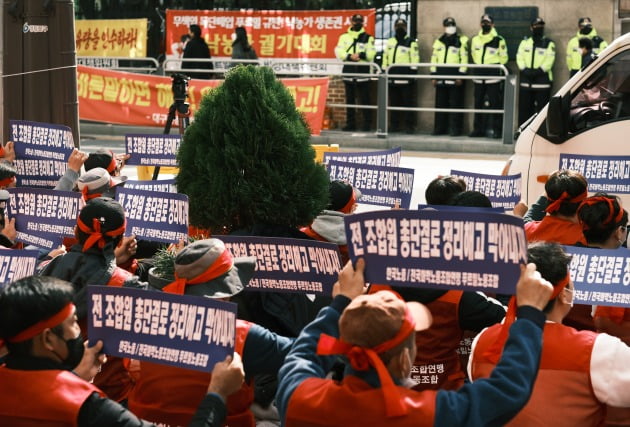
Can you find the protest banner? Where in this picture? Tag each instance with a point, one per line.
(111, 37)
(610, 174)
(151, 149)
(15, 264)
(43, 217)
(504, 191)
(178, 330)
(42, 151)
(288, 265)
(600, 276)
(379, 185)
(162, 185)
(439, 249)
(460, 208)
(272, 33)
(375, 158)
(143, 100)
(155, 215)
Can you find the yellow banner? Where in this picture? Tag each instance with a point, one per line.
(111, 37)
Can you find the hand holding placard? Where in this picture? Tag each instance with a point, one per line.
(227, 376)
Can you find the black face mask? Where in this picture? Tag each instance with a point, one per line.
(75, 351)
(401, 33)
(586, 29)
(538, 31)
(357, 27)
(486, 28)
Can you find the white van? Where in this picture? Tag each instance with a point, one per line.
(588, 116)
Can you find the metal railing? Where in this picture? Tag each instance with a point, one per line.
(121, 63)
(306, 67)
(509, 94)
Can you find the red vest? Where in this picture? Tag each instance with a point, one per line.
(437, 365)
(41, 398)
(562, 395)
(553, 229)
(169, 395)
(353, 402)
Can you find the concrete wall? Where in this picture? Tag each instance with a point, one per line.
(561, 17)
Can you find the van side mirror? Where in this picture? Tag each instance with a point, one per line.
(558, 116)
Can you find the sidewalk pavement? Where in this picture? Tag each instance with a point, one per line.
(347, 140)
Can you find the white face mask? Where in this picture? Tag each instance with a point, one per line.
(233, 36)
(450, 30)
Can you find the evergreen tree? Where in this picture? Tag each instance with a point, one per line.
(246, 159)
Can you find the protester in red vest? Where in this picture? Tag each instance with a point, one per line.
(206, 268)
(580, 371)
(328, 226)
(376, 333)
(565, 190)
(92, 261)
(45, 380)
(605, 225)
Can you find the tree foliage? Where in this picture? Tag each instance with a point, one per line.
(246, 158)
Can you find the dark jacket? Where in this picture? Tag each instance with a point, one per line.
(197, 48)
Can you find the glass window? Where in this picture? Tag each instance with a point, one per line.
(604, 97)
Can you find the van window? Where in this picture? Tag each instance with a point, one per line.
(604, 97)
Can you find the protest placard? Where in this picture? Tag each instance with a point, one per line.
(460, 208)
(43, 217)
(600, 276)
(439, 249)
(375, 158)
(163, 185)
(610, 174)
(42, 151)
(152, 150)
(15, 264)
(178, 330)
(504, 191)
(379, 185)
(154, 215)
(288, 265)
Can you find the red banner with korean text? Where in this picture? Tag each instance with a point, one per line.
(143, 100)
(272, 33)
(111, 37)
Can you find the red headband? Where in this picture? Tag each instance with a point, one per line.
(220, 266)
(39, 327)
(565, 198)
(7, 181)
(111, 168)
(86, 192)
(348, 206)
(362, 358)
(611, 209)
(493, 353)
(96, 236)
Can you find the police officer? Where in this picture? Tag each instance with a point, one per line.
(449, 48)
(574, 53)
(535, 58)
(401, 49)
(356, 45)
(488, 47)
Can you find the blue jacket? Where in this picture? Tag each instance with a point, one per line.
(490, 402)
